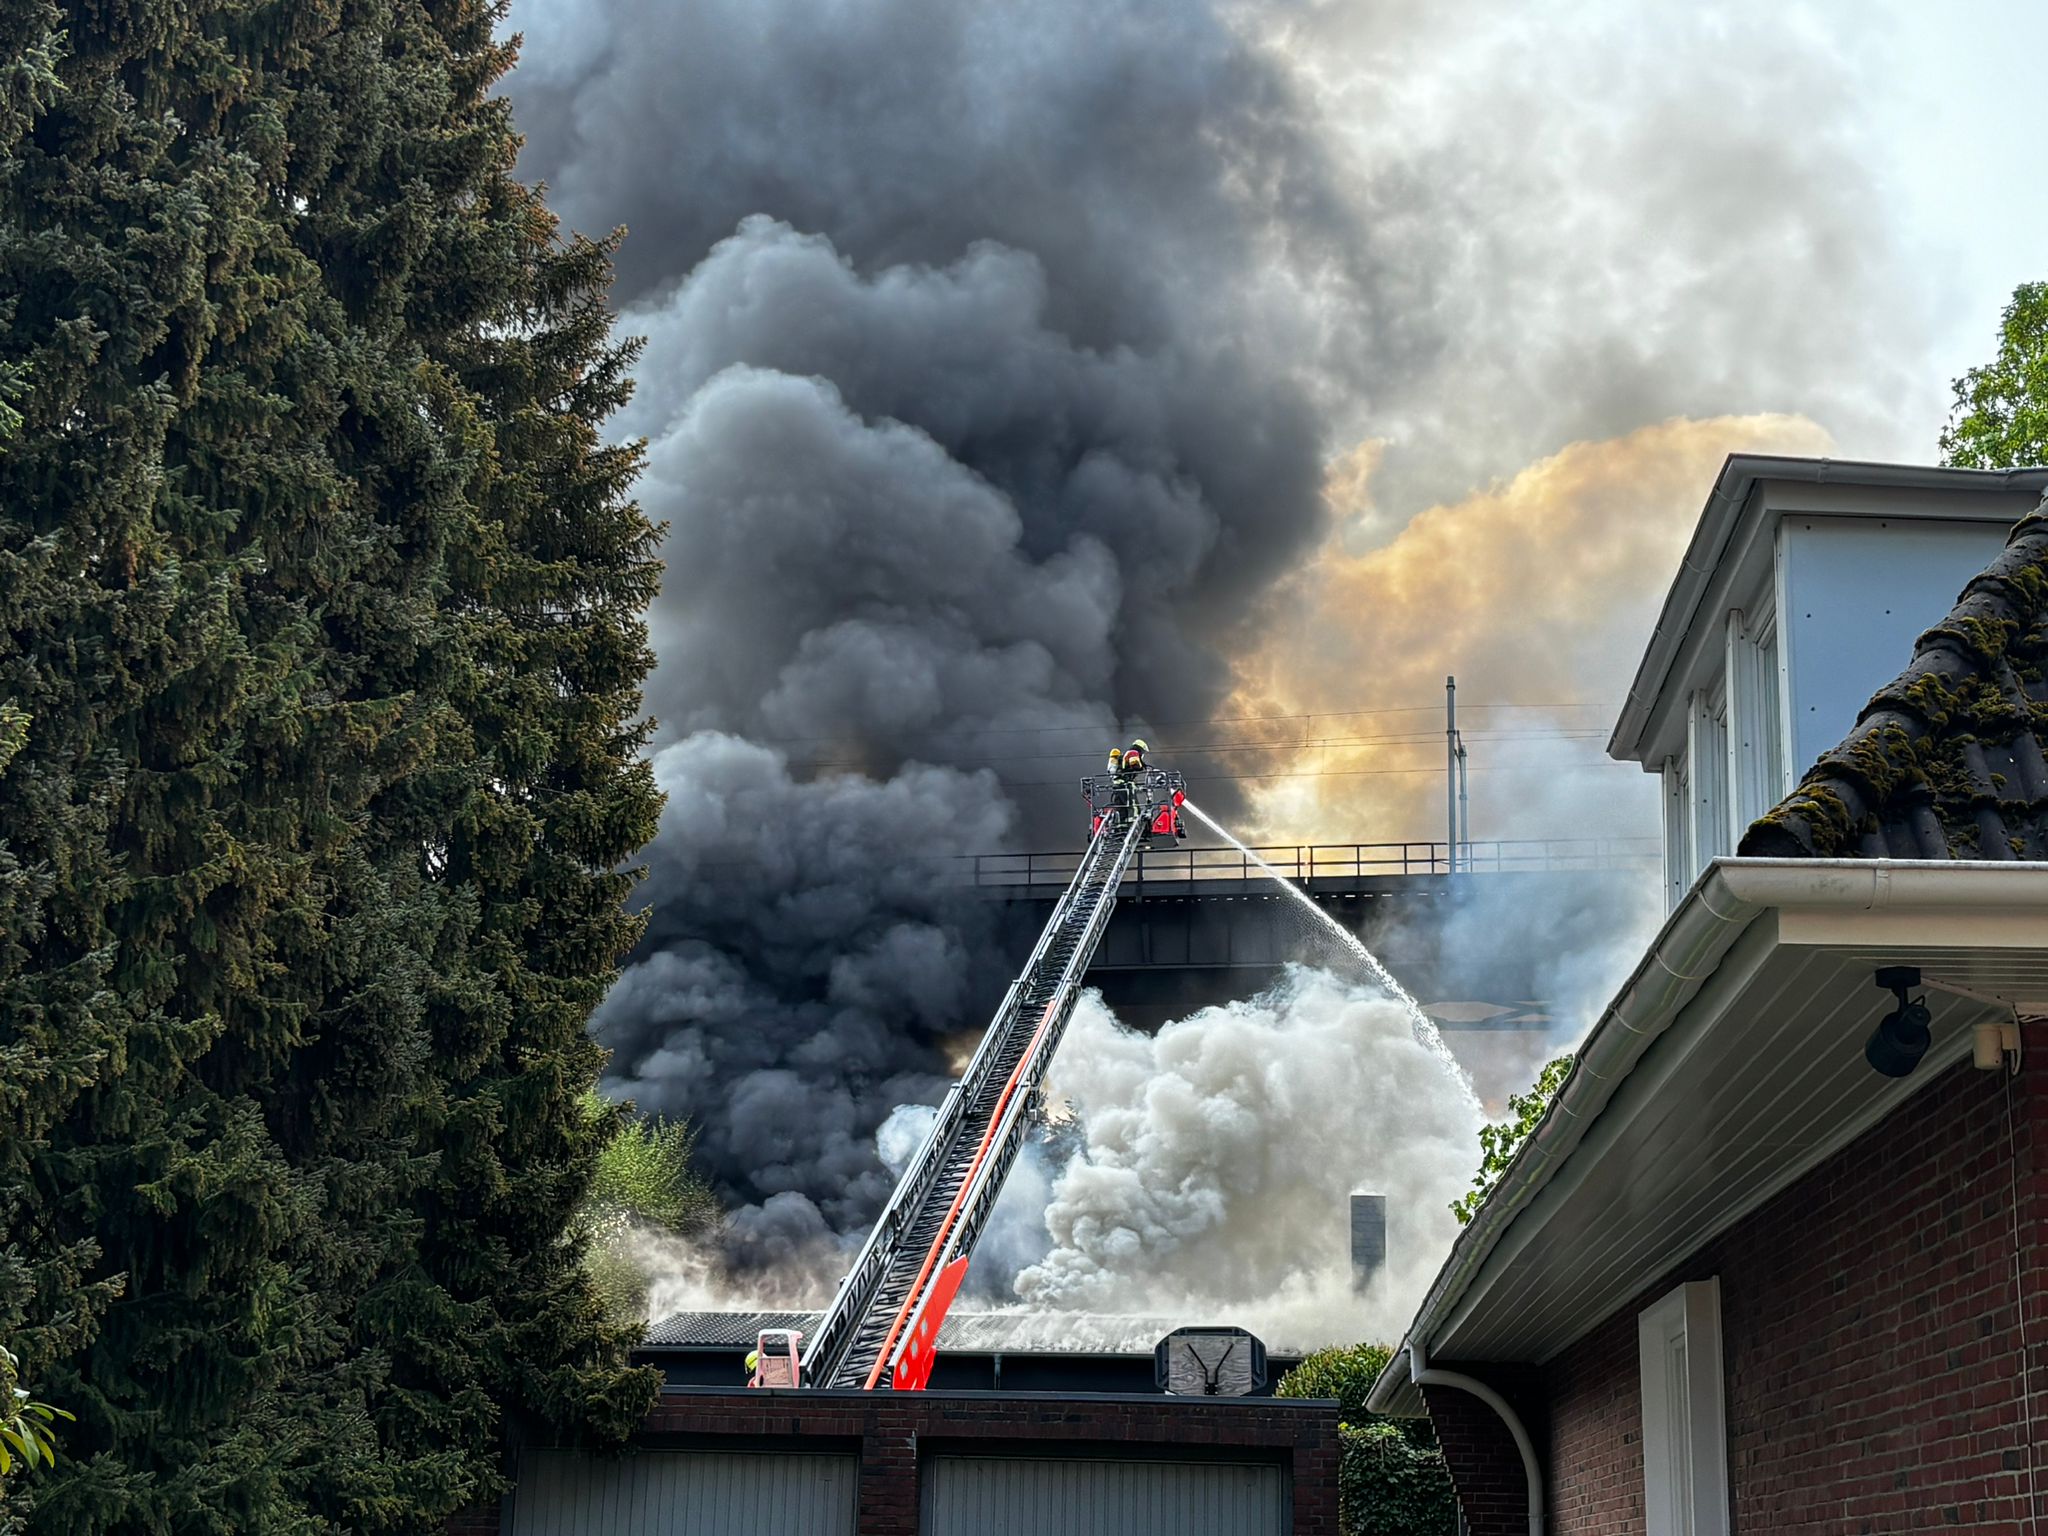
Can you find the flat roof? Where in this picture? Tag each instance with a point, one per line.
(1014, 1331)
(1171, 1400)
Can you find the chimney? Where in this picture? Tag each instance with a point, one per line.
(1368, 1239)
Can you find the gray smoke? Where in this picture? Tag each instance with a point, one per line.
(972, 420)
(995, 356)
(906, 516)
(1631, 213)
(1220, 1154)
(808, 950)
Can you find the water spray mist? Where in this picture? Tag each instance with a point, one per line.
(1421, 1023)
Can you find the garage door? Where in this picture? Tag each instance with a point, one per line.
(683, 1493)
(1033, 1496)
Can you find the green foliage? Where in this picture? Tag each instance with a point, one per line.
(1499, 1143)
(1388, 1485)
(27, 1428)
(2000, 416)
(1391, 1476)
(321, 637)
(644, 1188)
(1344, 1374)
(644, 1172)
(13, 732)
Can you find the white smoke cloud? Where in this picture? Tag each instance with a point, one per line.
(696, 1273)
(1219, 1155)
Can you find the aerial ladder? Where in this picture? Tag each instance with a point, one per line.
(882, 1327)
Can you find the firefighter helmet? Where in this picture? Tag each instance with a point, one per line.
(1141, 746)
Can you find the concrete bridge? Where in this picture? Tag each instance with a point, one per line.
(1481, 949)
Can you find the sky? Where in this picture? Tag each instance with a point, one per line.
(1957, 123)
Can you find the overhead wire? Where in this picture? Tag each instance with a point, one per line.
(1290, 744)
(1306, 742)
(1212, 720)
(1359, 773)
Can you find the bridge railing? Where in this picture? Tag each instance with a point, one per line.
(1306, 861)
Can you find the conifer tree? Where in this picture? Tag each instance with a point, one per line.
(320, 623)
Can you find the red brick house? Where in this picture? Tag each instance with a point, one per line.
(1775, 1261)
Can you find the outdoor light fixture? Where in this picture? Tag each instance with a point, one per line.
(1901, 1038)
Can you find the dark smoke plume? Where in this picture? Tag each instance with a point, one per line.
(805, 956)
(996, 353)
(910, 518)
(971, 418)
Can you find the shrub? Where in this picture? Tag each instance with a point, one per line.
(644, 1190)
(1391, 1477)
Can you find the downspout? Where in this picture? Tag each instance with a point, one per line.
(1419, 1372)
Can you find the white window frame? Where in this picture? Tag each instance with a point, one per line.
(1707, 778)
(1685, 1424)
(1776, 769)
(1756, 770)
(1677, 833)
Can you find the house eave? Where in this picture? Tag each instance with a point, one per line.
(1827, 921)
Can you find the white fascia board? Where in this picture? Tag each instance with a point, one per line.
(1700, 929)
(1681, 601)
(1827, 901)
(1745, 571)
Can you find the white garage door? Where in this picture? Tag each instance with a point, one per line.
(1034, 1496)
(684, 1493)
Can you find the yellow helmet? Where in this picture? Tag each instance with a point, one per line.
(1141, 745)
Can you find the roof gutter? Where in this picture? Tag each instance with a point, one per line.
(1723, 902)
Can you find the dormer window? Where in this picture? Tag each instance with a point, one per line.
(1806, 581)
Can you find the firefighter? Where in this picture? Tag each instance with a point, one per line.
(1134, 756)
(753, 1366)
(1123, 769)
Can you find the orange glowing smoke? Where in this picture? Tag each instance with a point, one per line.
(1540, 590)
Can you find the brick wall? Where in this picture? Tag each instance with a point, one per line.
(1876, 1370)
(1595, 1452)
(892, 1429)
(1486, 1466)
